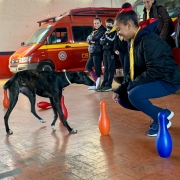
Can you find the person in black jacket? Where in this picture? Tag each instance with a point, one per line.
(121, 47)
(153, 71)
(95, 51)
(107, 40)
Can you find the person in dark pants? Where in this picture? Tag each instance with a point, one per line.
(121, 48)
(95, 51)
(153, 71)
(107, 40)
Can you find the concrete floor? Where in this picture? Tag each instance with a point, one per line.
(35, 152)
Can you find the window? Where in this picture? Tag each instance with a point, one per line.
(58, 35)
(81, 33)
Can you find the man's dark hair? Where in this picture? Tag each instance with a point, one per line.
(97, 18)
(109, 20)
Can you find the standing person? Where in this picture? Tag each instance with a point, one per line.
(95, 51)
(166, 26)
(107, 41)
(153, 71)
(121, 47)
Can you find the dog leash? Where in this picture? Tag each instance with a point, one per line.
(67, 78)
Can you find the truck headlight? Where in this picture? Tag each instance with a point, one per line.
(25, 59)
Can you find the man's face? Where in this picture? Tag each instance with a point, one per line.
(126, 31)
(148, 4)
(97, 23)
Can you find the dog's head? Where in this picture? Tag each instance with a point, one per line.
(83, 78)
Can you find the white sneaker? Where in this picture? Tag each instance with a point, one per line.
(98, 82)
(92, 87)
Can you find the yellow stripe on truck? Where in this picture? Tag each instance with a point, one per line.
(60, 46)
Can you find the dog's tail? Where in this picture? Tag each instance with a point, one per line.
(9, 83)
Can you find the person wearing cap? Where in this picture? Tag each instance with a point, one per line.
(153, 71)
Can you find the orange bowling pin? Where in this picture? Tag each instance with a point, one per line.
(64, 109)
(104, 122)
(5, 99)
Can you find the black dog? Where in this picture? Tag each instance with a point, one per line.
(46, 84)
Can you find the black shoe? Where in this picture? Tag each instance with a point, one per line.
(106, 89)
(100, 88)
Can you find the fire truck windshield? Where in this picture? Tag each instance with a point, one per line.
(38, 36)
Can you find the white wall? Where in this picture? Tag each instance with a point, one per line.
(18, 18)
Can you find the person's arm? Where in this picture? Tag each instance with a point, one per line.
(103, 40)
(166, 22)
(89, 39)
(109, 39)
(98, 35)
(116, 45)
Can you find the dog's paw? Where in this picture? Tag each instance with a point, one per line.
(53, 128)
(10, 132)
(73, 131)
(42, 121)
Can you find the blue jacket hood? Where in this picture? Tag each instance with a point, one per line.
(152, 27)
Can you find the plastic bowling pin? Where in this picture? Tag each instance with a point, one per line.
(163, 139)
(104, 122)
(43, 105)
(64, 109)
(5, 99)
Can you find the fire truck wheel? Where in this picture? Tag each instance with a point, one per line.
(45, 66)
(119, 80)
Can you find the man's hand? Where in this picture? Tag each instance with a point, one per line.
(92, 42)
(115, 97)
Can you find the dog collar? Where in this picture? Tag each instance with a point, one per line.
(67, 78)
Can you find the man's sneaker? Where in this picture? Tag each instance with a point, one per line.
(100, 88)
(98, 82)
(106, 89)
(169, 115)
(153, 130)
(92, 87)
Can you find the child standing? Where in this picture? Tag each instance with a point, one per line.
(107, 40)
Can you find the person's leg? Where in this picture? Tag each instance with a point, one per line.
(139, 97)
(97, 59)
(124, 102)
(126, 64)
(89, 66)
(111, 67)
(105, 61)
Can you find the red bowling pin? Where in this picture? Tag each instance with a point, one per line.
(104, 122)
(5, 99)
(43, 105)
(64, 109)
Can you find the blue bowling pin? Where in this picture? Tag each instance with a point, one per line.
(163, 139)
